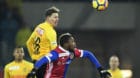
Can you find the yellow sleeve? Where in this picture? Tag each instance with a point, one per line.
(29, 45)
(6, 73)
(30, 66)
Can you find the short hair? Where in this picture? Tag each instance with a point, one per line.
(114, 56)
(51, 10)
(64, 38)
(17, 47)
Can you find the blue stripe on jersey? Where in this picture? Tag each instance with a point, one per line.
(66, 66)
(92, 58)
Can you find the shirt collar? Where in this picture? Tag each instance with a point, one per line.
(48, 24)
(62, 49)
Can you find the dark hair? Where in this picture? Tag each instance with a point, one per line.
(51, 10)
(19, 46)
(64, 38)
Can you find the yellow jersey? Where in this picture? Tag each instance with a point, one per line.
(17, 70)
(42, 41)
(116, 73)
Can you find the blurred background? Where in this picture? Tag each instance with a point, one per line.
(113, 31)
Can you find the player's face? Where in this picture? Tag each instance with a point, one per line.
(114, 63)
(72, 44)
(18, 53)
(53, 19)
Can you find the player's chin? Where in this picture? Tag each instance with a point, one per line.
(55, 24)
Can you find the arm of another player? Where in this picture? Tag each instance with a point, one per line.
(52, 56)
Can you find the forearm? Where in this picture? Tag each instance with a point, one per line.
(92, 58)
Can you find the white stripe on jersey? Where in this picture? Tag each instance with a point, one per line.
(49, 71)
(64, 54)
(48, 58)
(81, 53)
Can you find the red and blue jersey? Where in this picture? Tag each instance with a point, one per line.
(59, 59)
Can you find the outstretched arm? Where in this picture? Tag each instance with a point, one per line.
(93, 59)
(46, 59)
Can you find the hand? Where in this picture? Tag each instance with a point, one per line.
(104, 73)
(31, 74)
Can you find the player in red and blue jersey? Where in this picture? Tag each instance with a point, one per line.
(59, 59)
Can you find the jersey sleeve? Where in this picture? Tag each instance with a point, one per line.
(29, 44)
(52, 56)
(78, 52)
(6, 74)
(89, 55)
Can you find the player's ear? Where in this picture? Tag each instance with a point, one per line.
(14, 51)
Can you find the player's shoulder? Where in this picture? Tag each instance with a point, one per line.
(58, 50)
(9, 64)
(27, 62)
(41, 25)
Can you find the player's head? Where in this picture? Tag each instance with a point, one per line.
(67, 41)
(114, 62)
(18, 53)
(52, 16)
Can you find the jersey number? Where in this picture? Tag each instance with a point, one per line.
(36, 45)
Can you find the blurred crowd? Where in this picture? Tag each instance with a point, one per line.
(12, 27)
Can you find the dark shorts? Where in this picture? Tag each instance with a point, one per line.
(41, 71)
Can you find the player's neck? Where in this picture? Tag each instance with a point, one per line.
(18, 60)
(113, 69)
(49, 23)
(65, 48)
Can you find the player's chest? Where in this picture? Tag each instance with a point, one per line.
(18, 69)
(65, 58)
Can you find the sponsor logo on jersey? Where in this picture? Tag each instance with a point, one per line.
(40, 31)
(14, 68)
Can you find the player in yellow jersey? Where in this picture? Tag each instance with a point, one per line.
(114, 67)
(19, 68)
(44, 38)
